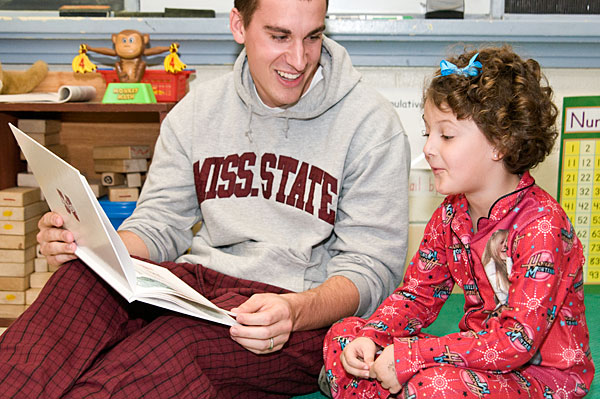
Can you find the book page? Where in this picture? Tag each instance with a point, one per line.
(152, 280)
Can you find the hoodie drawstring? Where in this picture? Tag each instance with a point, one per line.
(249, 129)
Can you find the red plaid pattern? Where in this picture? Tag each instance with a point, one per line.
(81, 339)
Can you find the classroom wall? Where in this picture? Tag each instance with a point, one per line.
(403, 86)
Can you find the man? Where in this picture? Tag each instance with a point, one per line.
(298, 173)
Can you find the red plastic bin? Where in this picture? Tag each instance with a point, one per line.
(167, 87)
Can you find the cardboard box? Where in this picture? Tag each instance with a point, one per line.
(16, 269)
(18, 241)
(23, 212)
(122, 152)
(17, 255)
(39, 125)
(14, 283)
(120, 165)
(19, 227)
(19, 196)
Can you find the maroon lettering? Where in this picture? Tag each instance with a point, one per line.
(201, 176)
(328, 188)
(268, 161)
(296, 196)
(286, 165)
(243, 188)
(316, 177)
(228, 177)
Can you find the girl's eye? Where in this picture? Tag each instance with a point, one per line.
(446, 137)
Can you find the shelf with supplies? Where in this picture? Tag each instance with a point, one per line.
(83, 126)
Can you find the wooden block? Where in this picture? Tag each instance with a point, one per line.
(31, 295)
(16, 269)
(19, 227)
(46, 139)
(40, 265)
(120, 165)
(53, 268)
(23, 212)
(12, 311)
(39, 125)
(58, 150)
(98, 189)
(122, 152)
(134, 179)
(14, 283)
(38, 249)
(12, 297)
(26, 180)
(18, 241)
(38, 280)
(17, 255)
(126, 194)
(19, 196)
(113, 179)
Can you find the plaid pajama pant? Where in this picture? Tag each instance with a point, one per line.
(81, 339)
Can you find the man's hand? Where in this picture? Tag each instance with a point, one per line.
(56, 243)
(266, 323)
(384, 370)
(358, 356)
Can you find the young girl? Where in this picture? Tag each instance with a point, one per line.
(489, 119)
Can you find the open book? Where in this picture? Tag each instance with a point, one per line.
(100, 247)
(63, 95)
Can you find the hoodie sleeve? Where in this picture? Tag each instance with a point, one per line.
(371, 230)
(168, 208)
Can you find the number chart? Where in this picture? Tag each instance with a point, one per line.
(579, 181)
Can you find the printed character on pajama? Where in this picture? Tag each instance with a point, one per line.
(535, 345)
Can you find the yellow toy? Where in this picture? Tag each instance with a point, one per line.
(129, 46)
(18, 82)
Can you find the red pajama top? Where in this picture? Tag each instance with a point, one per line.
(541, 331)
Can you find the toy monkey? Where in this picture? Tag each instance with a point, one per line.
(130, 45)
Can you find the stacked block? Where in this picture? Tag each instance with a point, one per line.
(123, 169)
(20, 211)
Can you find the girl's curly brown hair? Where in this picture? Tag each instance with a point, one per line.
(507, 100)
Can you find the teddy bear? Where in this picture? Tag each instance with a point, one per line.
(17, 82)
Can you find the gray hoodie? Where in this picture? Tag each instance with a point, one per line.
(288, 198)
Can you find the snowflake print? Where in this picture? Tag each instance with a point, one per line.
(389, 311)
(544, 228)
(529, 303)
(442, 385)
(490, 355)
(412, 284)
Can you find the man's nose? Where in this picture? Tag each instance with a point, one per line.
(297, 56)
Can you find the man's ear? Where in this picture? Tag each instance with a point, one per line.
(236, 24)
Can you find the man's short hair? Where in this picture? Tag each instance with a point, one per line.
(248, 7)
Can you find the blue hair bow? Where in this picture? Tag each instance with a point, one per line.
(448, 68)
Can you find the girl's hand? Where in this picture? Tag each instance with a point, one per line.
(384, 370)
(358, 356)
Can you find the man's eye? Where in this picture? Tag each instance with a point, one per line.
(279, 38)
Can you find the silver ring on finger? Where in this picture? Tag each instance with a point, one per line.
(271, 343)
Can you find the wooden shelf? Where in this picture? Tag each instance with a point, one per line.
(84, 125)
(85, 107)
